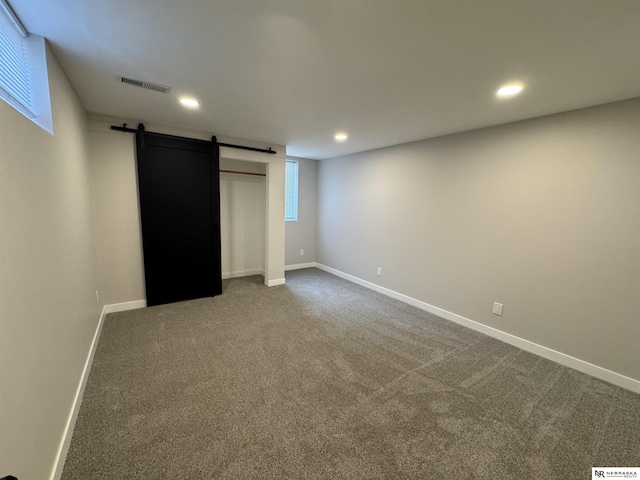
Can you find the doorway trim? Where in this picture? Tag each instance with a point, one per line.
(274, 234)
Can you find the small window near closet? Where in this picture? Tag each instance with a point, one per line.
(291, 192)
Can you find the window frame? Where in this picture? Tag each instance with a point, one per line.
(26, 83)
(291, 211)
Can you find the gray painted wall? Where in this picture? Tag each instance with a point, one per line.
(48, 311)
(541, 215)
(114, 193)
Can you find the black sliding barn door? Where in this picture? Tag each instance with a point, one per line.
(179, 184)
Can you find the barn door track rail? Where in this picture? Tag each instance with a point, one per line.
(124, 128)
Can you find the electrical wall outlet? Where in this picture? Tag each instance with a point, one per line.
(302, 252)
(497, 308)
(379, 271)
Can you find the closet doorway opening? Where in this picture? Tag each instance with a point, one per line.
(243, 217)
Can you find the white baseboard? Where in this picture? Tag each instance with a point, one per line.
(246, 273)
(243, 273)
(540, 350)
(121, 307)
(71, 421)
(77, 401)
(298, 266)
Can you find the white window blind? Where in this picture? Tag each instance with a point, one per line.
(291, 192)
(14, 67)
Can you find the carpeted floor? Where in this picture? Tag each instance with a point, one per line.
(321, 378)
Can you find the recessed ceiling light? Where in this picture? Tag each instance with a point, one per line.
(341, 137)
(510, 90)
(189, 102)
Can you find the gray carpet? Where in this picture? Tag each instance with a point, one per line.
(322, 378)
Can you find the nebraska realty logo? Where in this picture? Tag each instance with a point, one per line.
(615, 472)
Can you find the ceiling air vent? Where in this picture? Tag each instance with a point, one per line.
(156, 87)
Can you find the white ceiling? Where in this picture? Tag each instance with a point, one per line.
(295, 72)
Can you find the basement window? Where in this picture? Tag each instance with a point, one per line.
(291, 192)
(24, 80)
